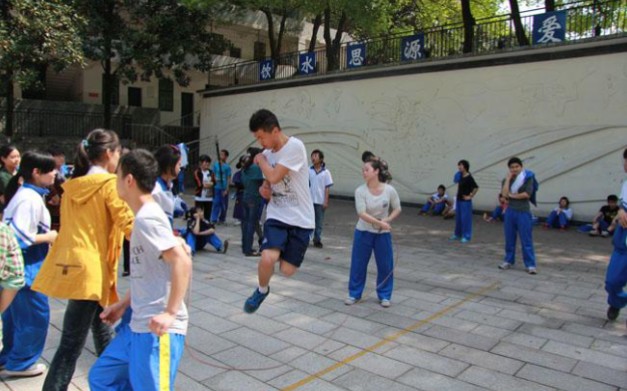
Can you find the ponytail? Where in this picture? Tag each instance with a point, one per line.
(91, 149)
(384, 172)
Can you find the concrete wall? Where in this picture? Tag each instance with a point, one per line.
(567, 119)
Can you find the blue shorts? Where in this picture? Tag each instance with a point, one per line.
(290, 240)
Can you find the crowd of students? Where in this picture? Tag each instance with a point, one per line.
(111, 196)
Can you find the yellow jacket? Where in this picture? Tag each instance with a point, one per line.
(83, 261)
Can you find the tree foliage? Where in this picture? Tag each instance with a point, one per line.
(35, 34)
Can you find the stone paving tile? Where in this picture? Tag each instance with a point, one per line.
(254, 340)
(535, 356)
(497, 381)
(601, 374)
(587, 355)
(236, 381)
(380, 365)
(482, 359)
(526, 340)
(252, 363)
(561, 380)
(427, 360)
(495, 321)
(307, 323)
(354, 323)
(259, 322)
(431, 381)
(359, 380)
(466, 339)
(491, 332)
(556, 335)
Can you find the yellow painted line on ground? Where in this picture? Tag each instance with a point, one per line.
(389, 339)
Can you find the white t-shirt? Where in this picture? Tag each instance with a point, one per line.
(623, 195)
(568, 212)
(377, 206)
(27, 216)
(291, 201)
(436, 197)
(318, 183)
(205, 194)
(150, 275)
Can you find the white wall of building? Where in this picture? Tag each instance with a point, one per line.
(567, 119)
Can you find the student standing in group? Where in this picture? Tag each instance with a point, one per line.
(290, 215)
(205, 180)
(25, 322)
(373, 201)
(518, 189)
(222, 172)
(169, 161)
(616, 276)
(466, 190)
(82, 265)
(252, 179)
(145, 356)
(320, 181)
(9, 162)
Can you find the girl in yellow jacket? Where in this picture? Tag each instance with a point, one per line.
(82, 264)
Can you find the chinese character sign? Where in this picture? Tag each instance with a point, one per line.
(413, 47)
(549, 27)
(265, 70)
(356, 55)
(307, 63)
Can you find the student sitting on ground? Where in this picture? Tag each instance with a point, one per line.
(561, 216)
(449, 209)
(200, 232)
(436, 203)
(604, 222)
(498, 213)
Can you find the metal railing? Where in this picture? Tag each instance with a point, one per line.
(584, 21)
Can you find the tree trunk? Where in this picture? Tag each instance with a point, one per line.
(314, 34)
(334, 45)
(549, 5)
(598, 14)
(469, 26)
(521, 37)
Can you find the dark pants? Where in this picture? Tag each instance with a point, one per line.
(250, 224)
(127, 255)
(80, 316)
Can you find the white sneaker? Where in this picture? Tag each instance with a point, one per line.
(505, 266)
(532, 270)
(350, 301)
(385, 303)
(33, 370)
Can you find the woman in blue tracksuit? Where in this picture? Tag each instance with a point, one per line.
(373, 201)
(26, 320)
(518, 189)
(466, 190)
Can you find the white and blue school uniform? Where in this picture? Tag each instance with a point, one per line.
(437, 208)
(368, 239)
(25, 322)
(616, 275)
(162, 194)
(559, 219)
(518, 220)
(463, 209)
(184, 150)
(137, 359)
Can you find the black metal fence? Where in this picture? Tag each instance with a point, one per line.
(585, 20)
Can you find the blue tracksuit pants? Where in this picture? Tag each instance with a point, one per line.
(463, 219)
(220, 206)
(437, 208)
(557, 220)
(364, 243)
(138, 361)
(519, 223)
(616, 275)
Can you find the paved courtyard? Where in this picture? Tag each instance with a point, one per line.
(456, 321)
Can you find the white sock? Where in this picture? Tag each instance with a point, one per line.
(263, 290)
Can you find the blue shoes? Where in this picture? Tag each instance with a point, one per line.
(254, 301)
(464, 240)
(454, 237)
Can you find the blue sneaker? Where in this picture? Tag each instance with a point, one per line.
(254, 301)
(454, 237)
(464, 240)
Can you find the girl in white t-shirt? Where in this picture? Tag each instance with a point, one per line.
(561, 216)
(373, 201)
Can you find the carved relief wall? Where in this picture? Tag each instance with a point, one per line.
(567, 120)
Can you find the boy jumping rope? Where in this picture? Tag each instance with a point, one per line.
(290, 214)
(146, 355)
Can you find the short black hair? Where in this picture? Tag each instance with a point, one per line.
(319, 152)
(565, 199)
(366, 156)
(263, 120)
(143, 166)
(514, 160)
(442, 187)
(204, 158)
(612, 197)
(55, 150)
(465, 164)
(167, 157)
(225, 152)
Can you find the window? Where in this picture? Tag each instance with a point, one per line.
(235, 52)
(135, 96)
(259, 51)
(166, 95)
(115, 90)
